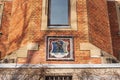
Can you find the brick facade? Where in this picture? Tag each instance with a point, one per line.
(99, 29)
(114, 28)
(5, 27)
(24, 26)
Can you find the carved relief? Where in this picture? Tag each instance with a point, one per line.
(60, 48)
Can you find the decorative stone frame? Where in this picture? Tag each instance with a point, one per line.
(73, 16)
(67, 53)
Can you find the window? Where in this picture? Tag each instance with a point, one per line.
(1, 11)
(58, 78)
(59, 15)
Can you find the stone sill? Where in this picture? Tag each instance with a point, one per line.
(61, 66)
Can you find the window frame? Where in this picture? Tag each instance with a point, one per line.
(58, 25)
(73, 17)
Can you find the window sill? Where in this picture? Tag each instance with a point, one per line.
(61, 28)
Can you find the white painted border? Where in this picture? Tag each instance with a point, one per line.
(61, 66)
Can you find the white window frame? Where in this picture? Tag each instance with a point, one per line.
(73, 16)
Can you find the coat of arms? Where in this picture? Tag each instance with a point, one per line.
(60, 48)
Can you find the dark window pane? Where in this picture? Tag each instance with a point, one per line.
(58, 12)
(58, 78)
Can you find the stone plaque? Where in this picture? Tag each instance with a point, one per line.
(59, 48)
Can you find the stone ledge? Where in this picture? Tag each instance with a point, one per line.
(61, 66)
(94, 51)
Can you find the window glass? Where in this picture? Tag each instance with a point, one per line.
(59, 15)
(58, 12)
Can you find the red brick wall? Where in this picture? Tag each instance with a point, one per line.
(30, 24)
(99, 29)
(114, 27)
(25, 27)
(5, 27)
